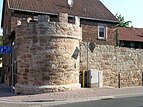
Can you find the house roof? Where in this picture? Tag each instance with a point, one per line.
(92, 9)
(131, 34)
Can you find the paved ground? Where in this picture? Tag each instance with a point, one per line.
(84, 94)
(118, 102)
(6, 91)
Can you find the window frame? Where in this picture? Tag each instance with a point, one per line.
(105, 31)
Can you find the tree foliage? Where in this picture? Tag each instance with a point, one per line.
(122, 22)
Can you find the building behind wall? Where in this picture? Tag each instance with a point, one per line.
(131, 37)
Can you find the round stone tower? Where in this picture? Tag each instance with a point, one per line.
(47, 55)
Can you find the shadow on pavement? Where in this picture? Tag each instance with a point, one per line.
(6, 91)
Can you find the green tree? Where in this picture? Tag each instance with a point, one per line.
(122, 22)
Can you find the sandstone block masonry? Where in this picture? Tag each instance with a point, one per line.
(122, 67)
(44, 54)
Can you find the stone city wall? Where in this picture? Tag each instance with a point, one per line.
(45, 55)
(122, 67)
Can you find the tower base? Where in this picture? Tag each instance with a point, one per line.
(28, 89)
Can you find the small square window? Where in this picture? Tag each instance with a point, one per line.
(102, 32)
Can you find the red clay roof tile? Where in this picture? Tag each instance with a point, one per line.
(131, 34)
(83, 8)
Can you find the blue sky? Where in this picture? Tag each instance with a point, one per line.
(130, 9)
